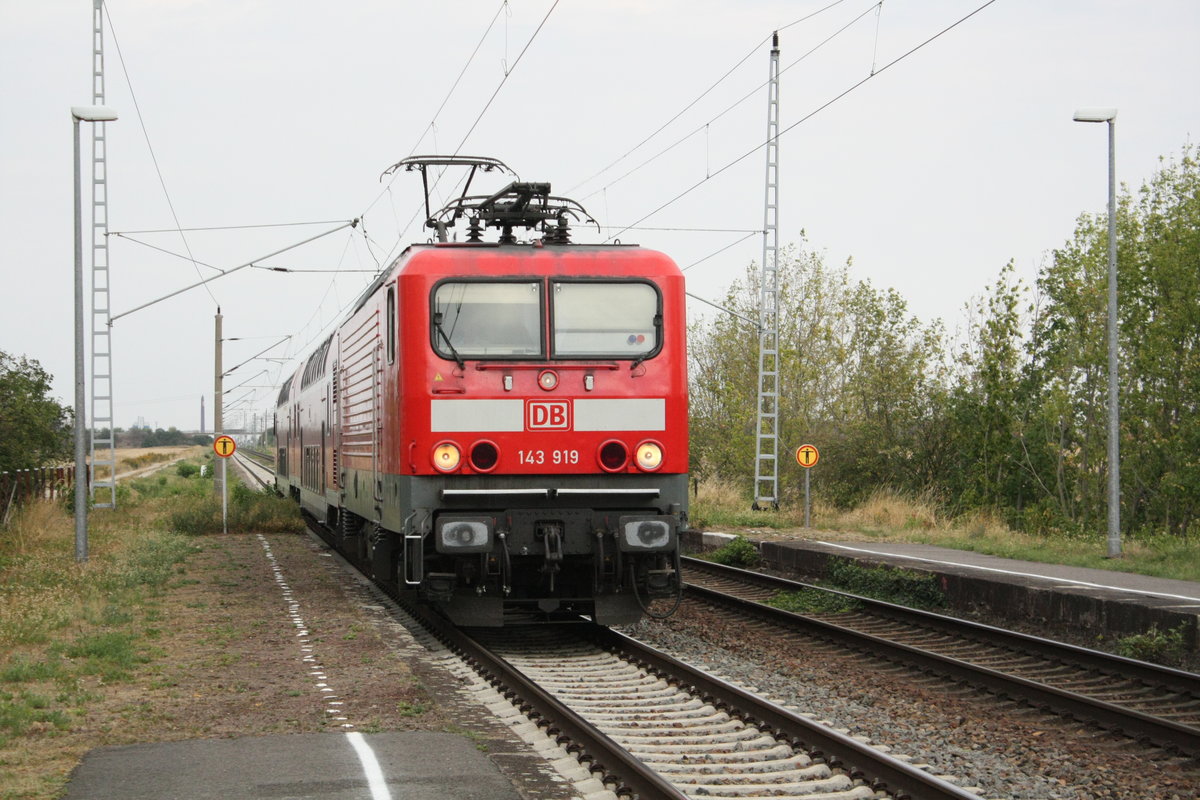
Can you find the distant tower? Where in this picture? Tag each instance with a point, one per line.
(202, 413)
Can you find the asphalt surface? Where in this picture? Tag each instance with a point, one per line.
(413, 765)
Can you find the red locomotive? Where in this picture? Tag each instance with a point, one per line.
(502, 426)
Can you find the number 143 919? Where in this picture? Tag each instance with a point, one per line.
(556, 457)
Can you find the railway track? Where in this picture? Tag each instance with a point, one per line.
(1153, 704)
(262, 474)
(651, 727)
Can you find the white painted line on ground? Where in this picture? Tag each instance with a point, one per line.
(371, 768)
(1085, 584)
(316, 669)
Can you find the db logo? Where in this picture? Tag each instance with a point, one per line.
(548, 415)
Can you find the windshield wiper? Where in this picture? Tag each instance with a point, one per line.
(437, 325)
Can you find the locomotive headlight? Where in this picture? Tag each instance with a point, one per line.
(446, 457)
(459, 535)
(647, 533)
(649, 456)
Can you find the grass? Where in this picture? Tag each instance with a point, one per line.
(895, 517)
(67, 629)
(65, 625)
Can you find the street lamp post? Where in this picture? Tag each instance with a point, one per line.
(86, 114)
(1109, 115)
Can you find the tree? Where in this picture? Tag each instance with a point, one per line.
(858, 376)
(35, 429)
(1158, 250)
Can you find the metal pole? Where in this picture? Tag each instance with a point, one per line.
(81, 473)
(1114, 428)
(218, 399)
(807, 504)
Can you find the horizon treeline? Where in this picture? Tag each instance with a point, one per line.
(1008, 416)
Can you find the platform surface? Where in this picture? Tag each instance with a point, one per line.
(1057, 575)
(413, 765)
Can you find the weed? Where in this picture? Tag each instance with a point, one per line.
(813, 601)
(738, 552)
(110, 655)
(22, 670)
(1159, 647)
(26, 712)
(407, 709)
(900, 586)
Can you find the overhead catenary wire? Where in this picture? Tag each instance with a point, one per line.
(507, 74)
(722, 250)
(230, 271)
(732, 106)
(811, 114)
(433, 121)
(699, 97)
(154, 158)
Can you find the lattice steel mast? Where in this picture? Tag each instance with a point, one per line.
(766, 461)
(103, 448)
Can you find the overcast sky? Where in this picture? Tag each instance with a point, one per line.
(931, 175)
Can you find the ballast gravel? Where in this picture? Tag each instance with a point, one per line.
(999, 748)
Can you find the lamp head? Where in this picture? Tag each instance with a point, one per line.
(93, 113)
(1095, 115)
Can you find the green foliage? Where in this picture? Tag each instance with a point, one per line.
(813, 601)
(248, 511)
(186, 469)
(23, 670)
(857, 374)
(901, 586)
(1015, 423)
(35, 429)
(738, 552)
(21, 711)
(1160, 647)
(110, 655)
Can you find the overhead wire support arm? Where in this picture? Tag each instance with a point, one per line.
(729, 311)
(256, 355)
(253, 262)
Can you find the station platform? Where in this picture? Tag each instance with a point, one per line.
(1103, 603)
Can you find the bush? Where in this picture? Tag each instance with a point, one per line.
(248, 512)
(900, 586)
(187, 469)
(740, 552)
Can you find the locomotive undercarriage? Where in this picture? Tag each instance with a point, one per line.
(463, 549)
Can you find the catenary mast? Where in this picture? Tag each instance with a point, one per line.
(766, 461)
(103, 447)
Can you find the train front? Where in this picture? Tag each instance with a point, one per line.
(544, 426)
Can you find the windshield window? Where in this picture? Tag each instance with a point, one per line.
(487, 320)
(615, 320)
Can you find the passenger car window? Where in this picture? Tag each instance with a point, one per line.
(595, 318)
(477, 319)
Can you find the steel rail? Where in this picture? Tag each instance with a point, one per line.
(861, 761)
(1184, 739)
(1180, 680)
(602, 754)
